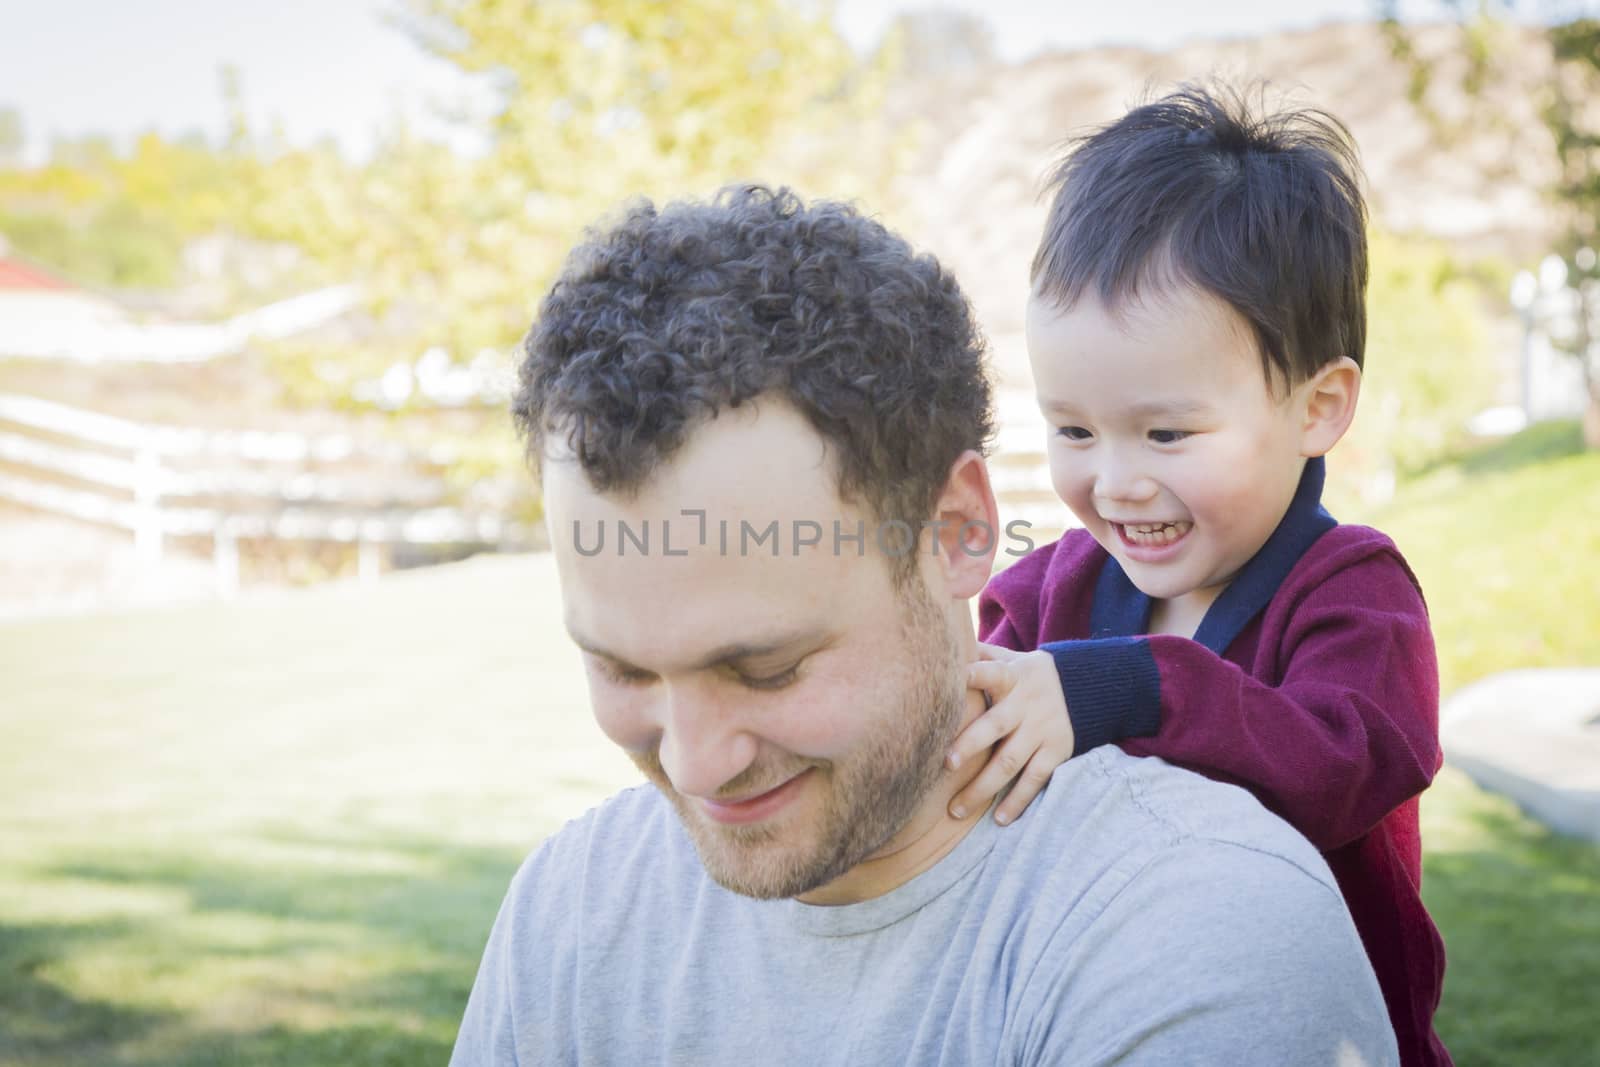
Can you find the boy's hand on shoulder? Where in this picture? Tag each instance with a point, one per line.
(1026, 726)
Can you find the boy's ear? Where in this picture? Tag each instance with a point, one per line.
(1328, 405)
(968, 531)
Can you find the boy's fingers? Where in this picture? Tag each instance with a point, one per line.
(982, 732)
(1001, 719)
(997, 679)
(988, 672)
(996, 653)
(1001, 768)
(1028, 786)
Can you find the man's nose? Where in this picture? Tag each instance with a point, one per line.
(703, 747)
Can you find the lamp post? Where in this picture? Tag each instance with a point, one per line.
(1552, 303)
(1585, 260)
(1524, 291)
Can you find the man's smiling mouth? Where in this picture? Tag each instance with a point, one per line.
(757, 806)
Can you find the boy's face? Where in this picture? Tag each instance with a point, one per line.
(1166, 441)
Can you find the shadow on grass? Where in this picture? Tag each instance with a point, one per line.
(1539, 443)
(42, 1022)
(279, 1046)
(385, 882)
(360, 948)
(1521, 922)
(363, 954)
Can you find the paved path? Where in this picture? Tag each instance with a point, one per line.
(1533, 735)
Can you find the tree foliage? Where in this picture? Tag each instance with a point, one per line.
(588, 103)
(1428, 366)
(1572, 114)
(582, 106)
(592, 103)
(120, 219)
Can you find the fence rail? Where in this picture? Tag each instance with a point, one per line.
(1019, 469)
(231, 486)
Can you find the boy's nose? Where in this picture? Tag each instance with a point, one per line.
(1123, 484)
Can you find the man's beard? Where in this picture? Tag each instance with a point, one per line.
(868, 795)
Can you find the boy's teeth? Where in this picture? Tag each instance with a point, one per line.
(1155, 533)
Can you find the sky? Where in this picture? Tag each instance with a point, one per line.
(335, 68)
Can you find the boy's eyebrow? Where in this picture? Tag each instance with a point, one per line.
(1144, 409)
(1167, 407)
(732, 652)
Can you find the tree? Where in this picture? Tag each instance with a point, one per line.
(937, 42)
(120, 218)
(1420, 307)
(1574, 119)
(1572, 115)
(12, 138)
(595, 102)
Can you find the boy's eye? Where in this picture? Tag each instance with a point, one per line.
(1168, 437)
(1074, 433)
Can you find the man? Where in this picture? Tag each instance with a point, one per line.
(760, 426)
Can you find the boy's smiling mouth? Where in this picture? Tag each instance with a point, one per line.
(1152, 534)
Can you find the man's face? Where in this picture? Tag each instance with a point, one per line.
(795, 708)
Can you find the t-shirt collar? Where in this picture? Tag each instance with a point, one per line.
(844, 920)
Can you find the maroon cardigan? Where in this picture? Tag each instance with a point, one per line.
(1311, 682)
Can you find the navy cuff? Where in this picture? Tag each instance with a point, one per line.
(1112, 687)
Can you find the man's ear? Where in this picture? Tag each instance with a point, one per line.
(1328, 402)
(968, 534)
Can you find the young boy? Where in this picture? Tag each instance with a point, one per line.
(1196, 330)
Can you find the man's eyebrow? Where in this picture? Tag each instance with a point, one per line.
(732, 652)
(735, 651)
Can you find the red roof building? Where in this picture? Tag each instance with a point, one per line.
(16, 275)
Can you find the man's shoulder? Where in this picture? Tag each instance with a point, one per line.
(1161, 865)
(631, 832)
(634, 805)
(1181, 921)
(1133, 811)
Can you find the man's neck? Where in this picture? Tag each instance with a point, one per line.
(928, 837)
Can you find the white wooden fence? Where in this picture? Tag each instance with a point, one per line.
(1019, 469)
(159, 481)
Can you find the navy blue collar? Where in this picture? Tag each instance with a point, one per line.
(1120, 610)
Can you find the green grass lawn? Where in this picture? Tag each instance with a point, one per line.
(1506, 543)
(276, 832)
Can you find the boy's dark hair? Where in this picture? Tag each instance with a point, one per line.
(1264, 212)
(667, 318)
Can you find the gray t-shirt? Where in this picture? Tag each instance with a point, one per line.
(1135, 914)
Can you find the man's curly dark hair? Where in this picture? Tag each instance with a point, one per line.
(669, 317)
